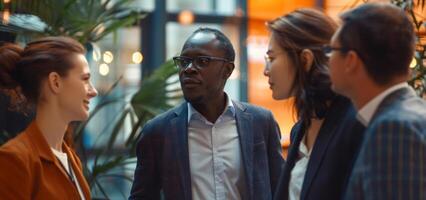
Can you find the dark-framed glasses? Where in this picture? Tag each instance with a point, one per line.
(328, 49)
(182, 62)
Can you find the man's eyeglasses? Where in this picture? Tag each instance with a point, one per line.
(182, 62)
(327, 49)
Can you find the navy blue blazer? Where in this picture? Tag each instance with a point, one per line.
(392, 159)
(163, 161)
(332, 156)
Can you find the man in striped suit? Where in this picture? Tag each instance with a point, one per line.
(369, 63)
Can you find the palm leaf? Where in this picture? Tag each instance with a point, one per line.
(152, 96)
(117, 127)
(85, 20)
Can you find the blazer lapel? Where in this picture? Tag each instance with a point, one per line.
(47, 155)
(244, 122)
(321, 143)
(398, 95)
(292, 156)
(315, 160)
(179, 129)
(81, 180)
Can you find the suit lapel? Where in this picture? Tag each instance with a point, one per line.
(46, 155)
(398, 95)
(77, 172)
(244, 126)
(326, 133)
(316, 159)
(292, 157)
(179, 126)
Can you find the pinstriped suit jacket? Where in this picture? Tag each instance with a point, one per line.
(392, 160)
(162, 170)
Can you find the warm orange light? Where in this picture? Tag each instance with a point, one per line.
(186, 17)
(6, 1)
(413, 63)
(5, 17)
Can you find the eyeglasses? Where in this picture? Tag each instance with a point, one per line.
(200, 62)
(327, 49)
(268, 61)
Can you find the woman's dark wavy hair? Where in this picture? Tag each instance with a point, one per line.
(294, 32)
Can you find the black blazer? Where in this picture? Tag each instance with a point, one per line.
(163, 162)
(332, 156)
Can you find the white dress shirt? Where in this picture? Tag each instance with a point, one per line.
(63, 158)
(215, 156)
(366, 112)
(298, 172)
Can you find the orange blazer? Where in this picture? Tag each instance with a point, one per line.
(29, 170)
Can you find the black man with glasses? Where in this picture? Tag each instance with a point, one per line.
(209, 147)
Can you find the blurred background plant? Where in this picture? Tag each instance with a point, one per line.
(158, 92)
(414, 9)
(85, 20)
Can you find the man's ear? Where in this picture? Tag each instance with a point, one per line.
(229, 68)
(54, 82)
(353, 62)
(307, 58)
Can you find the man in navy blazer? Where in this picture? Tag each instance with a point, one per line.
(370, 64)
(209, 147)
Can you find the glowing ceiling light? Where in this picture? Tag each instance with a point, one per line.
(137, 57)
(103, 69)
(186, 17)
(108, 57)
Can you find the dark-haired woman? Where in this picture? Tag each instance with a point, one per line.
(325, 140)
(53, 75)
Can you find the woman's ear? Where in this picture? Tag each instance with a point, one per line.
(307, 58)
(54, 82)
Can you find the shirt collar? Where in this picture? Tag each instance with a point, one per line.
(40, 143)
(366, 112)
(229, 107)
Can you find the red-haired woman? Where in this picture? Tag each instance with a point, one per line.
(53, 75)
